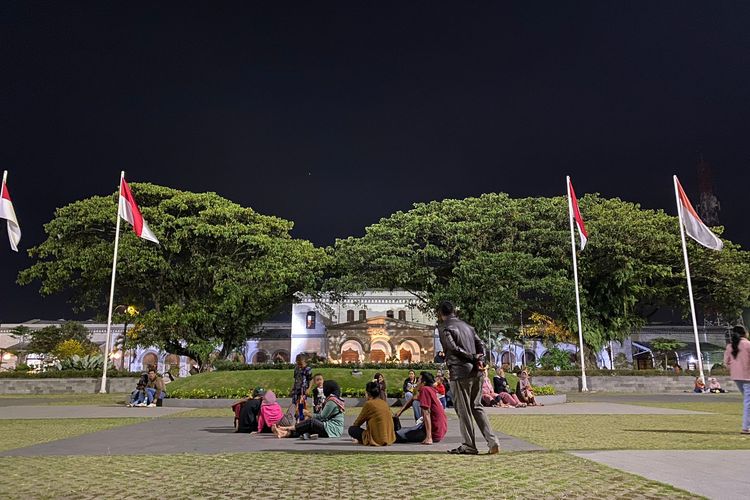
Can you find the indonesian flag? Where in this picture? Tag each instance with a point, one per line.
(7, 213)
(128, 210)
(576, 214)
(694, 226)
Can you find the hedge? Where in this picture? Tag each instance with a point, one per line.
(224, 365)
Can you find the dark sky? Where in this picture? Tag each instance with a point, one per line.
(334, 115)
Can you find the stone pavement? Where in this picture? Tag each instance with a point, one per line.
(591, 408)
(720, 474)
(216, 435)
(32, 412)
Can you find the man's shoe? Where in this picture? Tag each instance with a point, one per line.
(462, 450)
(494, 450)
(151, 405)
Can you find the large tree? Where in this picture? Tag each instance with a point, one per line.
(496, 257)
(221, 268)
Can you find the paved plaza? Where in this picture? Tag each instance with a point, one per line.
(173, 431)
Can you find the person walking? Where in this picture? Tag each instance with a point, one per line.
(464, 355)
(737, 359)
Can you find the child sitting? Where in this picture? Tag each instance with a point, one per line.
(139, 397)
(714, 386)
(700, 386)
(440, 388)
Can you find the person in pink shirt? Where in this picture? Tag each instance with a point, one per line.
(270, 412)
(737, 359)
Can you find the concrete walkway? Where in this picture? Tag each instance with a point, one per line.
(720, 474)
(215, 435)
(33, 412)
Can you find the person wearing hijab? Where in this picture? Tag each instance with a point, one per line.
(270, 412)
(329, 422)
(246, 412)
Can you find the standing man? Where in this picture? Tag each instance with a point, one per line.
(464, 355)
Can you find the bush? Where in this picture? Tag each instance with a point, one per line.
(226, 365)
(89, 362)
(544, 390)
(556, 358)
(610, 373)
(22, 368)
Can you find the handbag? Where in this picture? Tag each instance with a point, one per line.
(290, 417)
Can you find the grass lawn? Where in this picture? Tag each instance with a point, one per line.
(281, 380)
(637, 432)
(352, 475)
(22, 432)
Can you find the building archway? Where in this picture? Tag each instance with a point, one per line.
(508, 358)
(261, 356)
(352, 352)
(380, 351)
(280, 356)
(409, 352)
(149, 360)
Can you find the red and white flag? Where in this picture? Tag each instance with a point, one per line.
(8, 213)
(128, 210)
(694, 226)
(576, 214)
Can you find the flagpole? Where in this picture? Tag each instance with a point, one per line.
(584, 385)
(103, 388)
(689, 282)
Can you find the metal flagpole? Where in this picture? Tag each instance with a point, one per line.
(584, 385)
(689, 282)
(103, 388)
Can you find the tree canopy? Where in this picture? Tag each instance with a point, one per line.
(496, 257)
(221, 268)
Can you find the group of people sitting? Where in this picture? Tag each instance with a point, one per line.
(713, 387)
(426, 395)
(150, 389)
(499, 394)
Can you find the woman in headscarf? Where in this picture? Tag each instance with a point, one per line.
(329, 422)
(270, 412)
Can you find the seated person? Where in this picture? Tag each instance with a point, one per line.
(440, 388)
(329, 422)
(377, 416)
(138, 396)
(434, 424)
(316, 391)
(490, 397)
(409, 387)
(246, 411)
(714, 386)
(700, 386)
(501, 386)
(524, 390)
(269, 414)
(155, 391)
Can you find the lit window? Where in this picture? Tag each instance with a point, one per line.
(310, 323)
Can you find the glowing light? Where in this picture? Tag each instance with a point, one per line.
(7, 356)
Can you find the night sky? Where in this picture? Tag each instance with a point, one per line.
(333, 115)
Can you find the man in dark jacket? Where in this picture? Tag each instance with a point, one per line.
(464, 355)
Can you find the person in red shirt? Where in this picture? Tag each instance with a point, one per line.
(434, 424)
(440, 388)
